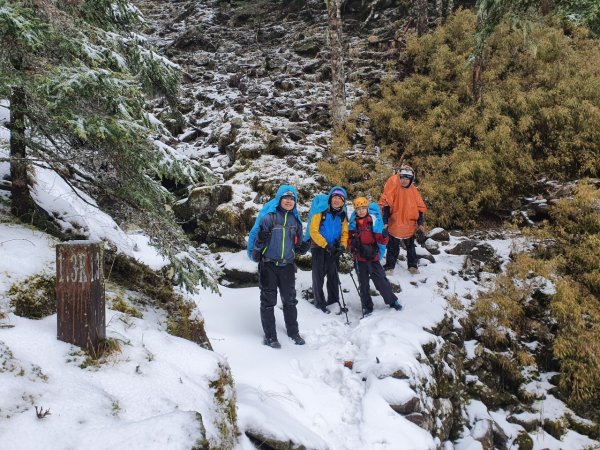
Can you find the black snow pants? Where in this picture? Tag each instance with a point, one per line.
(393, 250)
(325, 264)
(372, 270)
(271, 278)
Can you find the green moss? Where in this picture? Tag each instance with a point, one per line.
(34, 298)
(555, 428)
(523, 441)
(224, 394)
(183, 324)
(119, 304)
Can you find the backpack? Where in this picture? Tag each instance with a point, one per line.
(318, 206)
(377, 227)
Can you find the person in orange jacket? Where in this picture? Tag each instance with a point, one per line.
(403, 213)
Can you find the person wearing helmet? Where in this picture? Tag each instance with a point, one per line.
(329, 237)
(403, 213)
(366, 235)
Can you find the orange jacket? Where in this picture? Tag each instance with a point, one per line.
(405, 205)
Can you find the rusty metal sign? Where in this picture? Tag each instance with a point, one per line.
(80, 294)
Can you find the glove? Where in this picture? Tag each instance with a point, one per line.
(303, 248)
(339, 251)
(385, 233)
(420, 237)
(264, 235)
(256, 255)
(330, 249)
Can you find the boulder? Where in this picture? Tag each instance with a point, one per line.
(202, 202)
(439, 235)
(463, 247)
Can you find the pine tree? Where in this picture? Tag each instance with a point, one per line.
(77, 76)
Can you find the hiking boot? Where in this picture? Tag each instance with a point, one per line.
(271, 342)
(413, 270)
(396, 305)
(298, 340)
(366, 311)
(324, 309)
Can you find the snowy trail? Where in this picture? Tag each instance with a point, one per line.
(338, 408)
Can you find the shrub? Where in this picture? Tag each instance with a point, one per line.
(34, 298)
(538, 116)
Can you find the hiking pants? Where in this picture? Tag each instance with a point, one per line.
(372, 270)
(270, 278)
(393, 250)
(324, 264)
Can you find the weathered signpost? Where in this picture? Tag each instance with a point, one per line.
(80, 294)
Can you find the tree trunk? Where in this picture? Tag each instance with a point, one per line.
(22, 204)
(477, 88)
(338, 89)
(421, 13)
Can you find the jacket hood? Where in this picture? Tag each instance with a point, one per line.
(286, 188)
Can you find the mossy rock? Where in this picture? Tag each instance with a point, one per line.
(34, 298)
(555, 428)
(185, 325)
(523, 441)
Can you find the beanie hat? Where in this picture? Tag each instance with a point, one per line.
(339, 193)
(360, 202)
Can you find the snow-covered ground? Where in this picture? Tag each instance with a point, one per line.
(145, 396)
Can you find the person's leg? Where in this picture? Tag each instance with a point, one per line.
(382, 284)
(318, 275)
(411, 252)
(362, 270)
(267, 281)
(287, 289)
(391, 255)
(333, 286)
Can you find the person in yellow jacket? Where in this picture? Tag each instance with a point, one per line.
(403, 213)
(329, 236)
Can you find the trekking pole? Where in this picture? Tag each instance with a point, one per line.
(356, 286)
(344, 309)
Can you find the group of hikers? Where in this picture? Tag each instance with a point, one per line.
(372, 230)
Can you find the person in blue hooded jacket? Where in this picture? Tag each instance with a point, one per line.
(329, 236)
(274, 240)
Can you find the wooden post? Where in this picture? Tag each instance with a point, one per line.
(80, 294)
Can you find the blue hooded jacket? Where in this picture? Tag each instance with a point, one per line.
(283, 228)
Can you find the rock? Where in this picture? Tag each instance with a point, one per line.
(202, 202)
(240, 278)
(296, 135)
(463, 247)
(229, 226)
(439, 234)
(408, 407)
(432, 246)
(308, 47)
(486, 255)
(483, 432)
(424, 421)
(523, 441)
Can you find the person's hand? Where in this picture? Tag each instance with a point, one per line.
(304, 247)
(421, 228)
(256, 255)
(264, 235)
(330, 249)
(385, 233)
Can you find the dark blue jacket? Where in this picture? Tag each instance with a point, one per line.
(285, 235)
